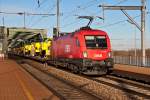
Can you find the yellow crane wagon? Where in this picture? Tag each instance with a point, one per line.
(32, 53)
(25, 49)
(37, 48)
(46, 44)
(21, 50)
(18, 50)
(49, 44)
(29, 49)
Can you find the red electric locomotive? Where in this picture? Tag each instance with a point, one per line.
(86, 51)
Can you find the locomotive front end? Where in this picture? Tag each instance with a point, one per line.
(96, 52)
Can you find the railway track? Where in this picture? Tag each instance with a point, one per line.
(60, 87)
(105, 87)
(129, 86)
(128, 81)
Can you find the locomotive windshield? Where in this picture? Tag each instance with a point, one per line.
(96, 42)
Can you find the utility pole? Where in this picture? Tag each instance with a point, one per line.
(142, 8)
(58, 18)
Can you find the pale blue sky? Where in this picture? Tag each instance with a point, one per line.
(121, 34)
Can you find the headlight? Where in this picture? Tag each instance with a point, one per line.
(85, 54)
(109, 54)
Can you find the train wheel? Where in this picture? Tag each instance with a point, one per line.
(105, 70)
(67, 66)
(55, 63)
(109, 71)
(74, 69)
(102, 69)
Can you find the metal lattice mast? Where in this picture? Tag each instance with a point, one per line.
(143, 13)
(142, 8)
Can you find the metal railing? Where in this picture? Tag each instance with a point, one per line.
(131, 60)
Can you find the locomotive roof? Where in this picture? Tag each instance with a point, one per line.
(90, 30)
(81, 31)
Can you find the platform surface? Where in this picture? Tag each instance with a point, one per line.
(134, 69)
(17, 84)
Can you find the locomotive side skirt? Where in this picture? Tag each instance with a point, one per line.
(86, 66)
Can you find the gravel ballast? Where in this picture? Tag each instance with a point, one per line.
(105, 92)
